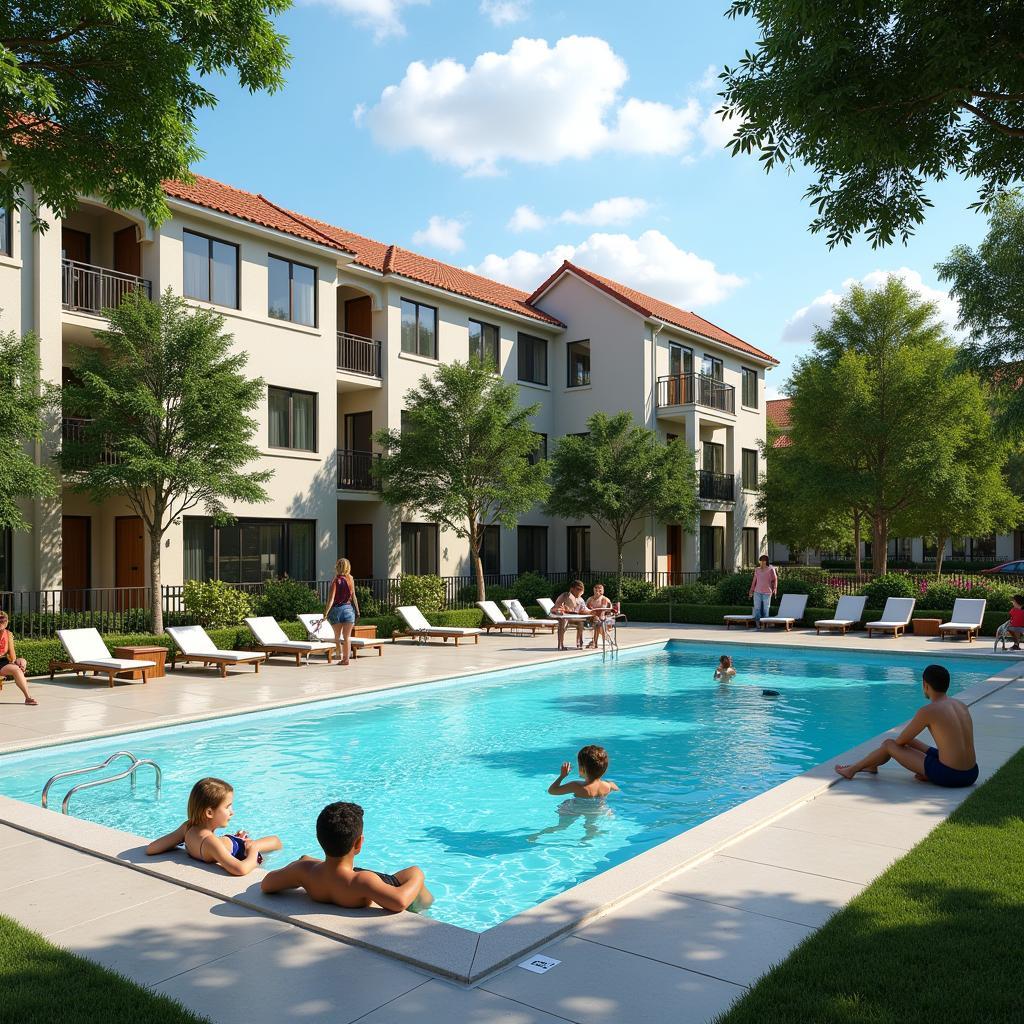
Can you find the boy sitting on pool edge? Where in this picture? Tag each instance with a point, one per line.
(339, 831)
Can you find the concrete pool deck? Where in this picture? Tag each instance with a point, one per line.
(708, 920)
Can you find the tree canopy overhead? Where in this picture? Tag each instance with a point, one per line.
(879, 98)
(99, 97)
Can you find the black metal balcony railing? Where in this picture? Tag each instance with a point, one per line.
(90, 289)
(716, 486)
(696, 389)
(72, 428)
(355, 470)
(357, 354)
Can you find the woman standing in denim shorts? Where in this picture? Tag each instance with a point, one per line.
(342, 607)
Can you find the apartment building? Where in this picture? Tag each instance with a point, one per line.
(341, 327)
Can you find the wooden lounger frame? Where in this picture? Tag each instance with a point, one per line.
(841, 627)
(971, 631)
(222, 663)
(747, 622)
(787, 622)
(271, 649)
(414, 634)
(896, 629)
(534, 627)
(84, 667)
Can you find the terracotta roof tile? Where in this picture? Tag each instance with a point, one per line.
(777, 411)
(648, 306)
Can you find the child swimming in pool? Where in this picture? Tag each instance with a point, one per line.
(210, 807)
(339, 831)
(593, 763)
(725, 671)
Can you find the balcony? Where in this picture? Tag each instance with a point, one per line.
(88, 289)
(357, 354)
(696, 389)
(355, 470)
(73, 428)
(716, 486)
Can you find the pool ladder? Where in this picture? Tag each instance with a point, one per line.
(128, 773)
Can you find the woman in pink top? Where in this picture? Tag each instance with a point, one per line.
(762, 588)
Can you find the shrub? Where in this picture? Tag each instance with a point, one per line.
(426, 592)
(892, 584)
(216, 603)
(532, 585)
(369, 606)
(940, 594)
(285, 600)
(734, 589)
(633, 588)
(688, 593)
(468, 593)
(819, 593)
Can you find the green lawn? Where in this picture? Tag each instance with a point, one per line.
(938, 937)
(42, 984)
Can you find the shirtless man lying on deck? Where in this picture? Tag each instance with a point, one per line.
(952, 762)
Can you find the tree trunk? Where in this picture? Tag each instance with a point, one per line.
(478, 562)
(857, 567)
(157, 599)
(940, 552)
(618, 581)
(879, 544)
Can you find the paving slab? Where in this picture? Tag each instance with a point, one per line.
(437, 1002)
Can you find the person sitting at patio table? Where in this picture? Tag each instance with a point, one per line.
(952, 762)
(570, 603)
(597, 602)
(763, 586)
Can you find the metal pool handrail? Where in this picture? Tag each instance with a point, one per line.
(98, 767)
(136, 765)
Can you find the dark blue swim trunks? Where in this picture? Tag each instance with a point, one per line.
(390, 879)
(943, 775)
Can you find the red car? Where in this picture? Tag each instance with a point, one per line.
(1007, 569)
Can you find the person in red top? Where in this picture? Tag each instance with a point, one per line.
(11, 666)
(1016, 619)
(342, 607)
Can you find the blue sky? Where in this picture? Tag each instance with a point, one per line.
(493, 106)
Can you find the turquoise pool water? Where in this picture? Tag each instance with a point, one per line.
(453, 776)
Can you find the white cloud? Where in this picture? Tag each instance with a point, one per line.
(614, 212)
(358, 113)
(709, 80)
(716, 131)
(442, 233)
(505, 12)
(651, 263)
(536, 104)
(799, 328)
(525, 218)
(384, 17)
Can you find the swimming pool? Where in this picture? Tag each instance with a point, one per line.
(453, 775)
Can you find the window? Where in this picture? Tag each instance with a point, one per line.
(5, 560)
(578, 557)
(419, 549)
(419, 329)
(533, 548)
(680, 360)
(211, 270)
(578, 359)
(712, 548)
(292, 419)
(483, 343)
(6, 225)
(750, 469)
(983, 548)
(714, 457)
(490, 550)
(750, 388)
(249, 550)
(291, 291)
(751, 546)
(533, 359)
(711, 367)
(541, 451)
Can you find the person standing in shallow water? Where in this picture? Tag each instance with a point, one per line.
(763, 585)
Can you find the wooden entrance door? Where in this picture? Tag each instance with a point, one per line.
(129, 562)
(74, 245)
(76, 559)
(358, 318)
(674, 553)
(127, 253)
(359, 549)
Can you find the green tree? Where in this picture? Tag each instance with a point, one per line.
(879, 98)
(99, 97)
(988, 283)
(619, 474)
(24, 401)
(877, 411)
(465, 455)
(170, 426)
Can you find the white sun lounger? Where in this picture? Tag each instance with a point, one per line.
(895, 617)
(272, 639)
(318, 628)
(195, 645)
(493, 619)
(791, 608)
(849, 612)
(420, 629)
(968, 614)
(546, 604)
(88, 653)
(518, 613)
(738, 620)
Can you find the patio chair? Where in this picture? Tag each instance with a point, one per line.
(546, 604)
(895, 617)
(518, 613)
(421, 630)
(318, 628)
(88, 653)
(849, 612)
(791, 608)
(194, 644)
(272, 639)
(968, 615)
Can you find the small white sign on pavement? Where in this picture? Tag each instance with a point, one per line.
(539, 964)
